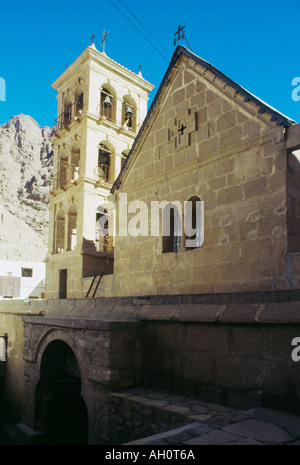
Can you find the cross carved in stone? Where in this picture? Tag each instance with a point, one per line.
(179, 132)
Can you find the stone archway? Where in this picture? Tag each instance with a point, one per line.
(60, 411)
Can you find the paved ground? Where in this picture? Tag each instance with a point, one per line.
(211, 424)
(214, 424)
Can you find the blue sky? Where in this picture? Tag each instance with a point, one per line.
(254, 43)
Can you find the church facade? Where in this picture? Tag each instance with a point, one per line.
(206, 139)
(206, 307)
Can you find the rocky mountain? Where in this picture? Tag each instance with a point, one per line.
(26, 168)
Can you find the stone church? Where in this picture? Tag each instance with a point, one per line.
(207, 311)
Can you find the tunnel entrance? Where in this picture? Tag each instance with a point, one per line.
(60, 411)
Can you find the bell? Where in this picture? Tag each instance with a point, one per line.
(107, 100)
(128, 109)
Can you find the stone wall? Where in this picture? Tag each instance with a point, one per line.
(236, 162)
(233, 349)
(236, 365)
(132, 419)
(12, 393)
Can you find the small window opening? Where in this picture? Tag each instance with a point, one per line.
(27, 272)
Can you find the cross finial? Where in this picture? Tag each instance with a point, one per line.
(104, 35)
(92, 38)
(180, 30)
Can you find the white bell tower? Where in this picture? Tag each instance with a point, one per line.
(101, 106)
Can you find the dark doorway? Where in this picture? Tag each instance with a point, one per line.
(63, 284)
(60, 411)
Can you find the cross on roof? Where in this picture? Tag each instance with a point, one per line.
(104, 35)
(180, 30)
(92, 38)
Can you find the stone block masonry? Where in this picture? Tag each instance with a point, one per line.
(239, 165)
(233, 349)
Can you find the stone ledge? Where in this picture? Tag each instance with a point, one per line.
(250, 307)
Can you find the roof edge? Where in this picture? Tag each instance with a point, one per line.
(281, 120)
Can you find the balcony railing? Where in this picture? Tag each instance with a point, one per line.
(107, 110)
(68, 174)
(103, 172)
(104, 243)
(72, 112)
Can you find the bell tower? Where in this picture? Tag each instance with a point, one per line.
(101, 106)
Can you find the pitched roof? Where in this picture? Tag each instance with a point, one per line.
(275, 116)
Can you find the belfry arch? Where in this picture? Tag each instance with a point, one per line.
(60, 412)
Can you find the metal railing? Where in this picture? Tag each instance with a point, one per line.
(73, 111)
(107, 110)
(68, 174)
(103, 172)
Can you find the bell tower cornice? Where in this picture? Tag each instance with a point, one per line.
(90, 60)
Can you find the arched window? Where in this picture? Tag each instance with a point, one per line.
(61, 176)
(107, 105)
(129, 115)
(72, 227)
(67, 113)
(79, 104)
(193, 223)
(60, 232)
(104, 160)
(75, 159)
(171, 229)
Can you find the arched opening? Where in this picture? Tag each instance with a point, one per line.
(60, 411)
(67, 109)
(171, 229)
(79, 95)
(129, 119)
(63, 161)
(108, 104)
(60, 232)
(193, 223)
(104, 163)
(75, 158)
(72, 227)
